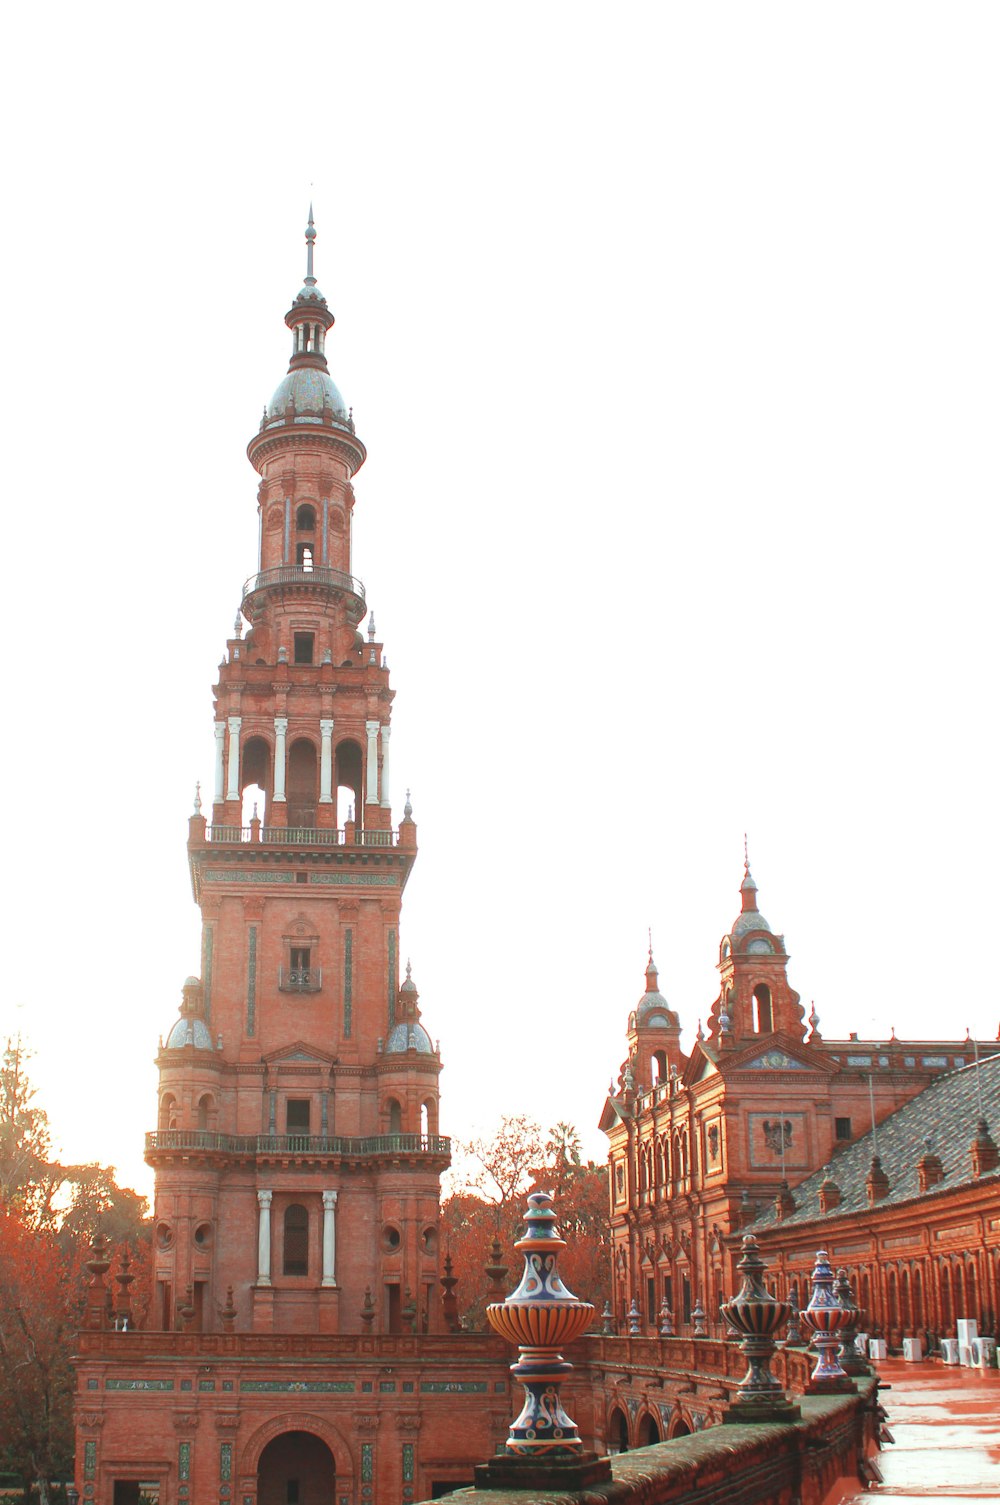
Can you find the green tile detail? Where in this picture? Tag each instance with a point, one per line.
(453, 1387)
(89, 1458)
(207, 948)
(367, 1462)
(393, 989)
(297, 1387)
(348, 981)
(407, 1462)
(206, 1384)
(226, 1461)
(184, 1461)
(252, 980)
(139, 1384)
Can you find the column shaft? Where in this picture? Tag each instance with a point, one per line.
(220, 761)
(280, 728)
(329, 1238)
(233, 792)
(264, 1239)
(386, 799)
(326, 761)
(371, 797)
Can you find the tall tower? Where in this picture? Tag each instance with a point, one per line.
(297, 1154)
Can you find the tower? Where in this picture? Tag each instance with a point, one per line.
(297, 1153)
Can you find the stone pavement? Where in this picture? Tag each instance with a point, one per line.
(946, 1423)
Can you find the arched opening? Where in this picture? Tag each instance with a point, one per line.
(617, 1432)
(255, 777)
(305, 519)
(205, 1113)
(304, 556)
(302, 783)
(891, 1300)
(296, 1468)
(647, 1433)
(972, 1290)
(168, 1117)
(904, 1301)
(429, 1117)
(919, 1320)
(658, 1067)
(295, 1246)
(348, 772)
(678, 1428)
(395, 1116)
(762, 1024)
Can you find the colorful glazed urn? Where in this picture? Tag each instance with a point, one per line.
(540, 1317)
(826, 1319)
(756, 1316)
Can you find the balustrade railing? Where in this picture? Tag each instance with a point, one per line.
(299, 836)
(298, 1144)
(320, 575)
(300, 979)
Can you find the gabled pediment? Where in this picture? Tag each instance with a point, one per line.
(777, 1052)
(614, 1112)
(300, 1052)
(701, 1063)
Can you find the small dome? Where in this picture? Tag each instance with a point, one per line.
(409, 1036)
(653, 1009)
(310, 293)
(189, 1032)
(306, 388)
(192, 982)
(750, 919)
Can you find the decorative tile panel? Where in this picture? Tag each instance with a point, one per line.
(89, 1458)
(184, 1461)
(226, 1461)
(252, 980)
(207, 949)
(367, 1462)
(139, 1384)
(393, 989)
(453, 1387)
(348, 981)
(357, 880)
(297, 1387)
(407, 1462)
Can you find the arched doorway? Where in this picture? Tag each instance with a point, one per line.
(678, 1428)
(296, 1468)
(648, 1432)
(618, 1432)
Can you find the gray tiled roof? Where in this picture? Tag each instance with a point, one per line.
(947, 1112)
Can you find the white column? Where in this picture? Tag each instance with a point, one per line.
(329, 1239)
(264, 1238)
(326, 760)
(371, 727)
(280, 728)
(233, 792)
(220, 756)
(386, 801)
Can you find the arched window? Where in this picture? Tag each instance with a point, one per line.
(305, 519)
(168, 1111)
(648, 1432)
(205, 1111)
(762, 1009)
(348, 771)
(395, 1116)
(296, 1241)
(658, 1066)
(301, 792)
(304, 556)
(429, 1117)
(618, 1429)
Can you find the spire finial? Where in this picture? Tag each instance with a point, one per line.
(197, 798)
(651, 945)
(746, 856)
(310, 242)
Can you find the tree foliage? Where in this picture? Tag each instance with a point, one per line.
(49, 1215)
(500, 1171)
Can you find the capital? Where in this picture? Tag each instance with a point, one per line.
(371, 727)
(235, 722)
(329, 1200)
(326, 726)
(385, 731)
(264, 1199)
(220, 730)
(280, 725)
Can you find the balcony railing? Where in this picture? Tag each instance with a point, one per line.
(321, 577)
(299, 836)
(205, 1140)
(300, 979)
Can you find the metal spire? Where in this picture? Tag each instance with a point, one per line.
(310, 242)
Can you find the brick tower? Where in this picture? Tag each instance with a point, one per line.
(297, 1154)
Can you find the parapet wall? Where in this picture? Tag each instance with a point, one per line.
(765, 1464)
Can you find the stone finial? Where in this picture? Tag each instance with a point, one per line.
(227, 1313)
(930, 1170)
(826, 1319)
(666, 1320)
(543, 1448)
(756, 1315)
(449, 1301)
(793, 1333)
(876, 1182)
(368, 1310)
(634, 1320)
(197, 798)
(371, 627)
(985, 1156)
(699, 1330)
(784, 1202)
(829, 1193)
(607, 1322)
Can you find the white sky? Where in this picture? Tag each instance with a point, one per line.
(672, 332)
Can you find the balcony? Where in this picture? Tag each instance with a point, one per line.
(294, 579)
(299, 836)
(300, 979)
(205, 1141)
